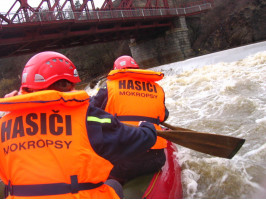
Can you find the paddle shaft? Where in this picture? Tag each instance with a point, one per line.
(213, 144)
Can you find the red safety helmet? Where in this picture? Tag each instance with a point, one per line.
(125, 62)
(45, 68)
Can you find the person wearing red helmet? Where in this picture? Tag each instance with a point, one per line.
(55, 144)
(46, 70)
(132, 95)
(125, 62)
(50, 67)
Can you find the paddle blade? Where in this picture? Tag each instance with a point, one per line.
(216, 145)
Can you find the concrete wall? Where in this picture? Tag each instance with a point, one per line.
(173, 46)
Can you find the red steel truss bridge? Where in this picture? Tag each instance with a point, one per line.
(61, 24)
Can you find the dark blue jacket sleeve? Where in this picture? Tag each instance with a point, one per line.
(100, 99)
(115, 141)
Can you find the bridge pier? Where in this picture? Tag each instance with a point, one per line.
(172, 46)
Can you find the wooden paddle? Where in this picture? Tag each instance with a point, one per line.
(217, 145)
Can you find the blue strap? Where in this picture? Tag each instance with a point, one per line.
(74, 184)
(50, 189)
(138, 118)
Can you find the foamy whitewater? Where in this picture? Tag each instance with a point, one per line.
(222, 93)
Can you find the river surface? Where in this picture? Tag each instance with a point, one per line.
(222, 93)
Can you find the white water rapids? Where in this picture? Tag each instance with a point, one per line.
(222, 93)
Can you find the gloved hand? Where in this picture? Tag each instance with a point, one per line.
(147, 124)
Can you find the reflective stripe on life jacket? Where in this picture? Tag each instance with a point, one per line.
(47, 145)
(133, 97)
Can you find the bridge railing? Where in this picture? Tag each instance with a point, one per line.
(30, 17)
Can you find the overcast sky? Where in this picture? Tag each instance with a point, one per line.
(5, 5)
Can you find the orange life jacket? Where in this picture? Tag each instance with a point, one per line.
(133, 96)
(45, 151)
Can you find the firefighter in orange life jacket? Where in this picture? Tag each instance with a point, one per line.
(132, 95)
(55, 144)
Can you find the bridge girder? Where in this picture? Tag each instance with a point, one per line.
(30, 29)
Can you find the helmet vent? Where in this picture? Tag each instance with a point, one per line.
(54, 60)
(49, 63)
(61, 60)
(39, 78)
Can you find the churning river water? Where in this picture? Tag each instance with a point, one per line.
(222, 93)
